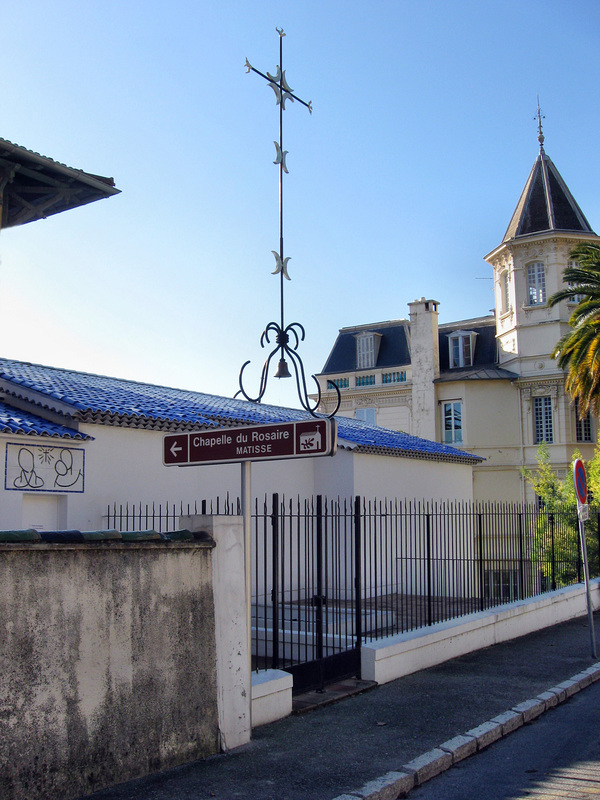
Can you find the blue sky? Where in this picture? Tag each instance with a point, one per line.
(403, 178)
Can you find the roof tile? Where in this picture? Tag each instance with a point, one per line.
(13, 420)
(104, 400)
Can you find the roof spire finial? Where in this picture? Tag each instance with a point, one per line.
(540, 117)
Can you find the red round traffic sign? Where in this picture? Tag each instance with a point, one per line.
(580, 481)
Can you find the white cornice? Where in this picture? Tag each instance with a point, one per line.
(532, 238)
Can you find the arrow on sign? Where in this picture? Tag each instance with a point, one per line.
(174, 449)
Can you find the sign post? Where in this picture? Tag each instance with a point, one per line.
(246, 486)
(305, 439)
(309, 438)
(580, 481)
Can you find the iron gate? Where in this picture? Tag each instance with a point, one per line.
(306, 613)
(330, 575)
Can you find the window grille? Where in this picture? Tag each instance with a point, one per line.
(542, 412)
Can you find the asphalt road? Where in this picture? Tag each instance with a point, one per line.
(557, 756)
(339, 748)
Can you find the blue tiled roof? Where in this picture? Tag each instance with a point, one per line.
(96, 398)
(14, 421)
(374, 437)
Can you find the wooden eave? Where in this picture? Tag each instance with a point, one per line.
(34, 187)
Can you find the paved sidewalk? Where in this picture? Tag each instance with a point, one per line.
(344, 750)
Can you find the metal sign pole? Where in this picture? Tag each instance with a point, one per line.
(586, 573)
(247, 516)
(580, 482)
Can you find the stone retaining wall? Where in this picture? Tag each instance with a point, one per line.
(108, 658)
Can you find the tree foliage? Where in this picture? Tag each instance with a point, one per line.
(556, 544)
(578, 351)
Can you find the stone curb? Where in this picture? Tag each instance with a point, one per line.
(461, 746)
(398, 784)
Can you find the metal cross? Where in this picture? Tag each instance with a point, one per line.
(294, 330)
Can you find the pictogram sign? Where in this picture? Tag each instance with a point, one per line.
(315, 437)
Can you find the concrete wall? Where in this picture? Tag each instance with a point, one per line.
(231, 625)
(395, 656)
(108, 663)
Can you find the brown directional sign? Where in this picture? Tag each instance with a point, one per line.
(315, 437)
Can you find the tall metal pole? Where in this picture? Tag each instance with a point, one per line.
(287, 337)
(580, 483)
(246, 487)
(281, 165)
(588, 593)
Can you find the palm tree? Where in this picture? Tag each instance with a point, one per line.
(578, 351)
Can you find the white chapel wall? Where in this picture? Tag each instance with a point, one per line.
(124, 465)
(412, 479)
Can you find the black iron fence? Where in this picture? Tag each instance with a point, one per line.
(329, 575)
(164, 517)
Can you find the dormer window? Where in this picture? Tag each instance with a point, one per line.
(462, 348)
(367, 349)
(536, 284)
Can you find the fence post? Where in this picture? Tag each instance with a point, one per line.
(357, 572)
(553, 554)
(481, 571)
(598, 542)
(429, 587)
(521, 563)
(275, 578)
(319, 599)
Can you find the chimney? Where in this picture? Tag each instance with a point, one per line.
(425, 360)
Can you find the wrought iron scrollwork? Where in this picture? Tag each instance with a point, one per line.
(294, 332)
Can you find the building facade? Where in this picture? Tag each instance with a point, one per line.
(487, 384)
(74, 445)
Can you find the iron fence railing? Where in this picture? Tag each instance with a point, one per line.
(164, 517)
(330, 574)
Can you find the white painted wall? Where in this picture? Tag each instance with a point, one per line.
(395, 656)
(124, 465)
(412, 479)
(232, 634)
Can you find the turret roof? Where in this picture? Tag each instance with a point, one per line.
(546, 204)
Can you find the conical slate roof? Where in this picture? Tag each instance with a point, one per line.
(546, 204)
